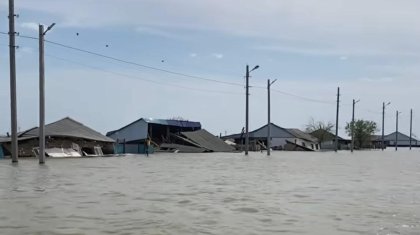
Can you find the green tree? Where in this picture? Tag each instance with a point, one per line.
(320, 130)
(363, 131)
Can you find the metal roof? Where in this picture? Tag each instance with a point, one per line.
(208, 141)
(67, 127)
(166, 122)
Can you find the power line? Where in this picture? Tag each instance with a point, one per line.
(130, 62)
(142, 65)
(297, 96)
(143, 79)
(174, 73)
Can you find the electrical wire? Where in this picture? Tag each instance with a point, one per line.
(139, 78)
(175, 73)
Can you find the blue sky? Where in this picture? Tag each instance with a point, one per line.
(368, 48)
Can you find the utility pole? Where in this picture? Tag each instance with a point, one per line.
(247, 108)
(383, 124)
(396, 132)
(247, 111)
(336, 119)
(13, 102)
(269, 114)
(352, 125)
(41, 136)
(411, 126)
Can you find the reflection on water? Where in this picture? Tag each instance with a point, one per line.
(289, 192)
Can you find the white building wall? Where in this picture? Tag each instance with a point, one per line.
(135, 131)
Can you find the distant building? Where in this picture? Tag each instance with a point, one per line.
(281, 139)
(131, 138)
(389, 140)
(65, 134)
(328, 140)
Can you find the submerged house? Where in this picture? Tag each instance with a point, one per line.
(65, 137)
(328, 140)
(132, 137)
(281, 139)
(390, 140)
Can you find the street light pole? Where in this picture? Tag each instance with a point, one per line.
(269, 116)
(13, 102)
(247, 108)
(352, 125)
(41, 136)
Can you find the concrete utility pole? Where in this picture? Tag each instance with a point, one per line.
(42, 93)
(383, 124)
(336, 119)
(269, 116)
(13, 102)
(411, 126)
(396, 132)
(352, 125)
(247, 108)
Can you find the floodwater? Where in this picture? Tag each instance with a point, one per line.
(368, 192)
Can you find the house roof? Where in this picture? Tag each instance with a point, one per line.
(328, 135)
(302, 135)
(166, 122)
(67, 127)
(208, 141)
(401, 137)
(282, 133)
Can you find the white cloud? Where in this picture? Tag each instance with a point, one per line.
(193, 55)
(30, 25)
(158, 32)
(337, 27)
(217, 55)
(376, 80)
(28, 50)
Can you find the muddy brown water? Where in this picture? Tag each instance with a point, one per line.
(369, 192)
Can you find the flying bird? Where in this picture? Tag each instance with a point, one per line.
(77, 34)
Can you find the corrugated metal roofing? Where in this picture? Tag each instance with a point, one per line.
(208, 141)
(68, 127)
(167, 122)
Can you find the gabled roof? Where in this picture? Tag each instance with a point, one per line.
(167, 122)
(281, 133)
(67, 127)
(401, 137)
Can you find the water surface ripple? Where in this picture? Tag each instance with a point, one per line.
(368, 192)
